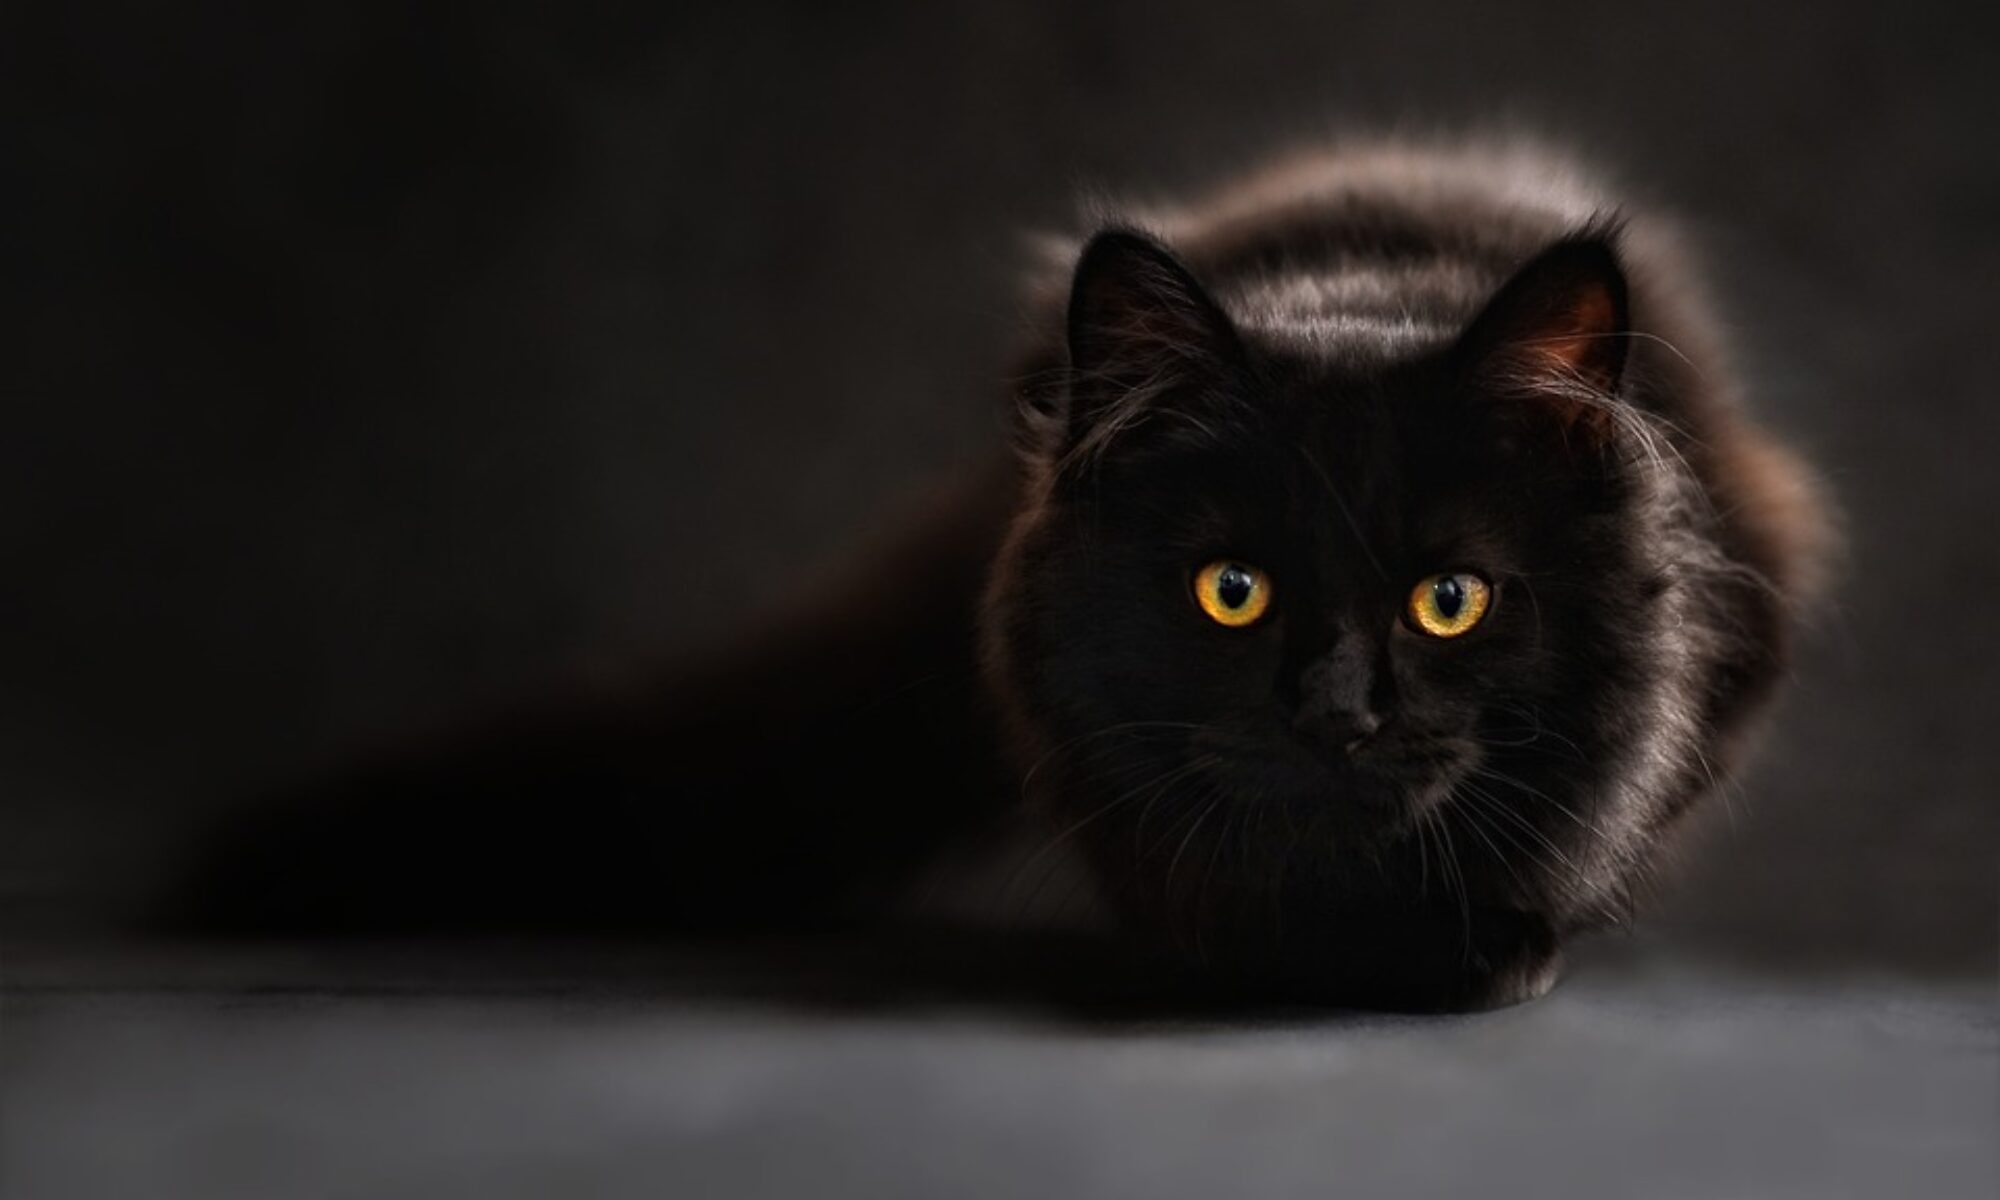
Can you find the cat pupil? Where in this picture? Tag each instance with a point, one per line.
(1449, 596)
(1233, 587)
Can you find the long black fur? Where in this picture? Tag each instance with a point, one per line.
(1354, 371)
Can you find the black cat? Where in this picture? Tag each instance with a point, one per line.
(1386, 567)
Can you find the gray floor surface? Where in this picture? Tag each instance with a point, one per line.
(289, 1073)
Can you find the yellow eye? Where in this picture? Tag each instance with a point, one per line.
(1231, 593)
(1445, 606)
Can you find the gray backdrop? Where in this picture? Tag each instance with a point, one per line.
(368, 363)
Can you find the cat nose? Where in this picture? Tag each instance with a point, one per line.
(1341, 731)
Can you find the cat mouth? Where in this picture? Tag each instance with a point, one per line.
(1355, 803)
(1384, 792)
(1381, 807)
(1376, 795)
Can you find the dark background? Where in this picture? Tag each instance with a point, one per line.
(365, 364)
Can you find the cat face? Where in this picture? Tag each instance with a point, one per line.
(1295, 629)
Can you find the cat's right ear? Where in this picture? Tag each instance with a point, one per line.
(1142, 334)
(1555, 335)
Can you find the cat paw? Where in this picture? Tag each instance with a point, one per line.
(1499, 960)
(1516, 979)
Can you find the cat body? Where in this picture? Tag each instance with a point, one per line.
(1370, 391)
(1358, 371)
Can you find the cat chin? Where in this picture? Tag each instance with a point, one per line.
(1369, 794)
(1375, 812)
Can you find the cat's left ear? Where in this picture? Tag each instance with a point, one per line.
(1145, 338)
(1556, 333)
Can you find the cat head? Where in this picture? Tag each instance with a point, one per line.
(1298, 621)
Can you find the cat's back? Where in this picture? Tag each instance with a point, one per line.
(1380, 249)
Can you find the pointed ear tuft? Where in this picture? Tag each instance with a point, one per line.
(1556, 332)
(1140, 326)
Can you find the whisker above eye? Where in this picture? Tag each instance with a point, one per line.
(1346, 513)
